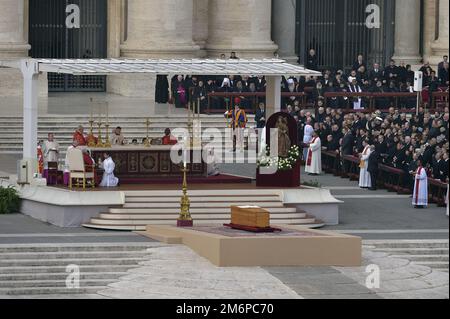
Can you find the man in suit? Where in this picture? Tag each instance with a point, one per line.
(348, 142)
(372, 167)
(260, 117)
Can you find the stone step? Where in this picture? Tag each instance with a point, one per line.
(423, 258)
(76, 248)
(25, 277)
(198, 221)
(73, 255)
(53, 283)
(197, 204)
(414, 251)
(195, 216)
(200, 201)
(411, 244)
(208, 194)
(434, 264)
(309, 223)
(11, 270)
(49, 291)
(207, 210)
(65, 262)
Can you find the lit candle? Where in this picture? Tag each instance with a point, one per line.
(107, 113)
(185, 156)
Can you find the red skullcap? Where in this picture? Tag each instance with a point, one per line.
(237, 101)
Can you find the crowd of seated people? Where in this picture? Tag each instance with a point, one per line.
(393, 78)
(400, 140)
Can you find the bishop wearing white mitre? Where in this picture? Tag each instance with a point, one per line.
(109, 180)
(314, 158)
(420, 195)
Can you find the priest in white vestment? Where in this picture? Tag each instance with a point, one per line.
(307, 137)
(420, 195)
(109, 180)
(314, 158)
(51, 150)
(364, 176)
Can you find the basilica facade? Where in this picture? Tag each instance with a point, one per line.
(408, 30)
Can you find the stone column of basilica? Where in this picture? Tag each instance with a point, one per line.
(283, 29)
(13, 46)
(407, 32)
(200, 32)
(243, 26)
(440, 47)
(429, 29)
(155, 29)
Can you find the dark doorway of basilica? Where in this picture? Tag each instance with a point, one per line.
(338, 31)
(69, 29)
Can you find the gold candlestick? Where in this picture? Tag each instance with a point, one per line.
(147, 142)
(99, 139)
(91, 138)
(185, 219)
(191, 134)
(107, 143)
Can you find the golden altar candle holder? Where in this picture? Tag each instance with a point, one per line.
(147, 141)
(99, 139)
(191, 134)
(185, 219)
(107, 143)
(91, 138)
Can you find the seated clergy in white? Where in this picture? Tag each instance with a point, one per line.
(109, 180)
(314, 158)
(364, 175)
(420, 195)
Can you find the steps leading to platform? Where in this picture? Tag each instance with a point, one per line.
(36, 270)
(208, 207)
(429, 253)
(63, 127)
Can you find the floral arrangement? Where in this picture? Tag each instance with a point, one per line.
(282, 163)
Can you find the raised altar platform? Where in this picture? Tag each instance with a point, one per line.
(293, 246)
(133, 207)
(135, 164)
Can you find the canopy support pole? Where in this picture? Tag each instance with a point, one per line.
(30, 72)
(273, 95)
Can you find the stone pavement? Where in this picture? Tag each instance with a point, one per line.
(177, 272)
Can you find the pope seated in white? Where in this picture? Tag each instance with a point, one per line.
(109, 180)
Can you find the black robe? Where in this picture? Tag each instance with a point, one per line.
(162, 89)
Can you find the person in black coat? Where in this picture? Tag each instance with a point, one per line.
(162, 89)
(372, 167)
(348, 141)
(312, 62)
(260, 117)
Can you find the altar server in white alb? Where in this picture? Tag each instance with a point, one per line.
(51, 149)
(109, 180)
(364, 175)
(314, 158)
(420, 195)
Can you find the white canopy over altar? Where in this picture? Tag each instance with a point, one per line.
(31, 69)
